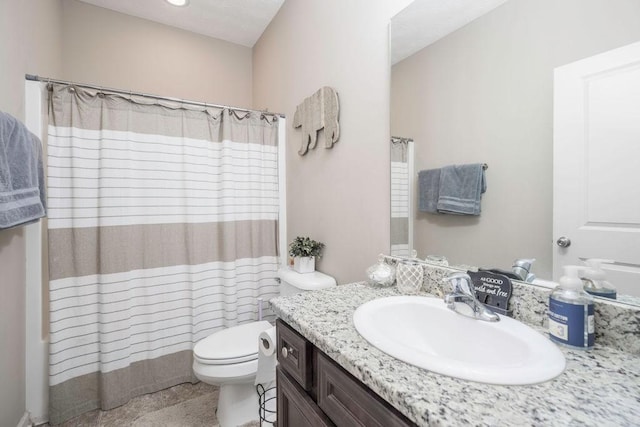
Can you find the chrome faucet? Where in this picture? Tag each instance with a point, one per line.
(521, 268)
(463, 299)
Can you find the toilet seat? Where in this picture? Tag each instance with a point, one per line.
(235, 345)
(243, 372)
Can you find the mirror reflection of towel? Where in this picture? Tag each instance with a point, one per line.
(429, 188)
(22, 193)
(461, 188)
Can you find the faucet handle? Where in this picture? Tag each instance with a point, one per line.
(461, 283)
(522, 268)
(463, 299)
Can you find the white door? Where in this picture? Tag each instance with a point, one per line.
(596, 199)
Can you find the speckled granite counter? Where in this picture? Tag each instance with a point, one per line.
(599, 387)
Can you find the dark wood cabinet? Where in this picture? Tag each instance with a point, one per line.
(295, 407)
(313, 390)
(295, 355)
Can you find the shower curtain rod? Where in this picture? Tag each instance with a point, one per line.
(147, 95)
(400, 139)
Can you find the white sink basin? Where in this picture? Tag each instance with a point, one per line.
(422, 331)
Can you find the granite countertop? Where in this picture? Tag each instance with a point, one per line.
(598, 387)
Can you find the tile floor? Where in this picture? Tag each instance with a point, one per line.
(170, 406)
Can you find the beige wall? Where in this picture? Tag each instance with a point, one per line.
(485, 94)
(338, 196)
(120, 51)
(29, 43)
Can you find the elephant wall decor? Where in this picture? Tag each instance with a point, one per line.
(320, 110)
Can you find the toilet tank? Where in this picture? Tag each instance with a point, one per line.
(292, 282)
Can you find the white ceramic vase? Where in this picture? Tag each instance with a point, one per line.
(306, 264)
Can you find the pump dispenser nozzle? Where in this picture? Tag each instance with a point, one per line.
(571, 278)
(595, 264)
(595, 279)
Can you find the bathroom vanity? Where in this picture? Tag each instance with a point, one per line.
(314, 390)
(332, 376)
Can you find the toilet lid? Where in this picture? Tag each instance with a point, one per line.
(232, 345)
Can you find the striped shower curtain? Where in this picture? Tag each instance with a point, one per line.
(162, 229)
(399, 198)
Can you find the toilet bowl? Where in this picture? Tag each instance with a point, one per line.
(229, 358)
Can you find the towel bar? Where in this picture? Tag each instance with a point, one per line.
(485, 166)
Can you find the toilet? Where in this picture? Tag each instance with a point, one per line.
(292, 282)
(229, 358)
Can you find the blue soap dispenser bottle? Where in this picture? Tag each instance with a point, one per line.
(571, 312)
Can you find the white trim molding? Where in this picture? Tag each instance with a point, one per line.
(25, 421)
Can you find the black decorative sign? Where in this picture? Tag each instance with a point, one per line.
(493, 290)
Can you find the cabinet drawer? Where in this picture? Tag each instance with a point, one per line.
(294, 354)
(348, 403)
(295, 407)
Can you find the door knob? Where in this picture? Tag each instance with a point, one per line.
(563, 242)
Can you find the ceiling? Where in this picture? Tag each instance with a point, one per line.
(242, 22)
(426, 21)
(236, 21)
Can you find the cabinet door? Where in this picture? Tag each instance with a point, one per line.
(294, 354)
(295, 407)
(348, 403)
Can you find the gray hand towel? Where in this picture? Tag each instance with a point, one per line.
(429, 187)
(461, 188)
(22, 193)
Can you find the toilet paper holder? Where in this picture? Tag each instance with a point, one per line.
(266, 343)
(267, 405)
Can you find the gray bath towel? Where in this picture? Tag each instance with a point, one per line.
(461, 188)
(22, 193)
(429, 187)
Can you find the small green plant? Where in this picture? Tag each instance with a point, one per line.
(305, 247)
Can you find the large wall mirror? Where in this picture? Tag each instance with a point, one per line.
(482, 91)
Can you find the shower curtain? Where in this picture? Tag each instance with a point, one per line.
(399, 198)
(162, 229)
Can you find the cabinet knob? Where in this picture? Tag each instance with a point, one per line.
(285, 352)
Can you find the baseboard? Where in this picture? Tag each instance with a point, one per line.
(35, 421)
(25, 421)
